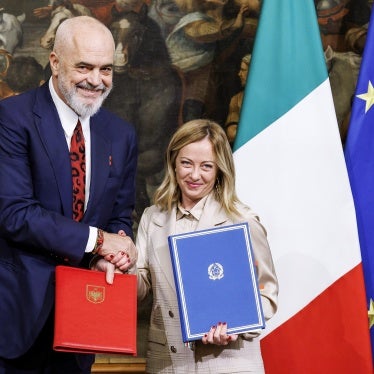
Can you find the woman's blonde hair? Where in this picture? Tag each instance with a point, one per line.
(168, 194)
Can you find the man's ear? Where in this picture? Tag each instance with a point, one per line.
(53, 62)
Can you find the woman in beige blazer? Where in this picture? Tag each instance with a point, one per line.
(198, 192)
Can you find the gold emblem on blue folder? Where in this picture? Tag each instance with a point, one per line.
(215, 271)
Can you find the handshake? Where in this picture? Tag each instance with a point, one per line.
(115, 253)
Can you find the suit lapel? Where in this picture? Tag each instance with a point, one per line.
(54, 141)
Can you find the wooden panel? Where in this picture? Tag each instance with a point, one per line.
(106, 364)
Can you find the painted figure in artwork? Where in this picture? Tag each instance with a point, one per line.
(194, 42)
(236, 101)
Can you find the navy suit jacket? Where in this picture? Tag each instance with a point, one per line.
(37, 231)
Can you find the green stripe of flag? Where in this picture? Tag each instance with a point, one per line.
(287, 64)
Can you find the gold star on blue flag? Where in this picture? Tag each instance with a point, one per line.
(371, 314)
(368, 97)
(359, 155)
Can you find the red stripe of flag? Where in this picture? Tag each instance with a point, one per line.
(330, 335)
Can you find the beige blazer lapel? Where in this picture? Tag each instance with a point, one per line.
(213, 215)
(166, 223)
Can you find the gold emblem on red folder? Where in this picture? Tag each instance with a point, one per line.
(95, 294)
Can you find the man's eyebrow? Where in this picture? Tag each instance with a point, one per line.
(80, 63)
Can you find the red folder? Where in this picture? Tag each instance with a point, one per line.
(92, 316)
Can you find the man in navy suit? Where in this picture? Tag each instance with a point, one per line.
(37, 231)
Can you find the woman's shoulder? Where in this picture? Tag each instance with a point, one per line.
(154, 213)
(153, 209)
(251, 217)
(246, 211)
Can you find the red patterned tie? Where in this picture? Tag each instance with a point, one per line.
(78, 171)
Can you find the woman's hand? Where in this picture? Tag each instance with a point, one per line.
(119, 250)
(110, 269)
(218, 335)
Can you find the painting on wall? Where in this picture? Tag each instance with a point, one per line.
(175, 60)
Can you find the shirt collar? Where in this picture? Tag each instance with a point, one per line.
(196, 212)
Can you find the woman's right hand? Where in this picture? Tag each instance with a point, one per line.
(103, 265)
(218, 335)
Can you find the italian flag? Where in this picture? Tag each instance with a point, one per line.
(291, 170)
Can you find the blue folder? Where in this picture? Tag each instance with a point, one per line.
(216, 280)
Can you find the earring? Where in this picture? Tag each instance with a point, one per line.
(218, 187)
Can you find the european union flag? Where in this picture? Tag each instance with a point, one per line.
(359, 154)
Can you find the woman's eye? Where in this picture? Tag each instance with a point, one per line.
(207, 166)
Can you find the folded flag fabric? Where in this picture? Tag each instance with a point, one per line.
(359, 153)
(291, 170)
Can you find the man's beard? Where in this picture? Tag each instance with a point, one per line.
(74, 101)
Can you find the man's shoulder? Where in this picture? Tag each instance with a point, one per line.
(24, 97)
(112, 118)
(24, 104)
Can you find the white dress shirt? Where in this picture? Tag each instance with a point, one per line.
(69, 120)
